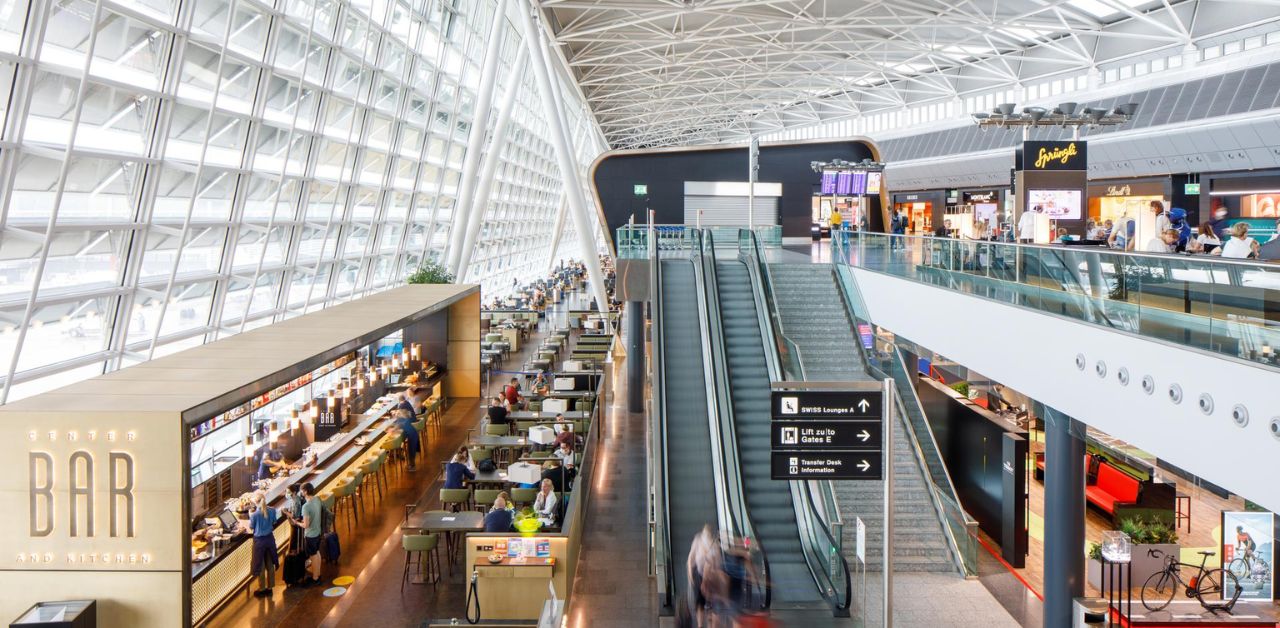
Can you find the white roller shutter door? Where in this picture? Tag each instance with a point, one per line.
(731, 211)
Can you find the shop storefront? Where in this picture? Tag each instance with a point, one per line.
(974, 213)
(1251, 197)
(1120, 200)
(923, 209)
(143, 472)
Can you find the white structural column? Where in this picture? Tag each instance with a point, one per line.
(489, 169)
(475, 139)
(568, 169)
(555, 231)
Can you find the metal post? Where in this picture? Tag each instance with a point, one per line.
(887, 456)
(753, 152)
(489, 168)
(635, 356)
(565, 158)
(475, 139)
(1064, 508)
(556, 229)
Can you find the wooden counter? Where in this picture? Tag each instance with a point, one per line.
(513, 590)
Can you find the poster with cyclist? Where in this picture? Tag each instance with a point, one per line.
(1248, 551)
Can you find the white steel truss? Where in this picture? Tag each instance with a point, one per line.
(663, 72)
(176, 171)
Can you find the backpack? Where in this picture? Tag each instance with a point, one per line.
(486, 466)
(330, 549)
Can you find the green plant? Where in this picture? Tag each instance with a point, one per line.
(431, 272)
(962, 388)
(525, 513)
(1095, 551)
(1142, 532)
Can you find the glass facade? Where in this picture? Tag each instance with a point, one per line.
(172, 172)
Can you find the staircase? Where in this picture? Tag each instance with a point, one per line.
(814, 317)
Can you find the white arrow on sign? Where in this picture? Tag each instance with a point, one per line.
(862, 405)
(864, 435)
(864, 465)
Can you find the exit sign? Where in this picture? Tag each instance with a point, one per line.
(641, 189)
(1190, 188)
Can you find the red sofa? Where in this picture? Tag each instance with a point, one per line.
(1113, 488)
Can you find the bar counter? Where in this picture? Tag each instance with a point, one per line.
(214, 580)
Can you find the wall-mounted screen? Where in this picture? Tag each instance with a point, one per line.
(873, 182)
(859, 186)
(1056, 204)
(828, 183)
(844, 181)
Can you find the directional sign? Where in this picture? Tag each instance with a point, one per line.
(826, 435)
(826, 404)
(827, 465)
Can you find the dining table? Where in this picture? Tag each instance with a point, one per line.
(450, 524)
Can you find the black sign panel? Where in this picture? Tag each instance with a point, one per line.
(827, 465)
(826, 404)
(1042, 155)
(826, 435)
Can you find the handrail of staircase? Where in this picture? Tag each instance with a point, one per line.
(660, 512)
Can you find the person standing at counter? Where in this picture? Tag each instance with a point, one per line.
(272, 460)
(313, 531)
(266, 556)
(405, 404)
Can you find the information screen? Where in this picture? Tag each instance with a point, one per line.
(1056, 204)
(844, 182)
(859, 184)
(828, 183)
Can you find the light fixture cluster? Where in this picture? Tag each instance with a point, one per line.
(1067, 114)
(841, 164)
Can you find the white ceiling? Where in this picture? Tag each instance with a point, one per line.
(687, 72)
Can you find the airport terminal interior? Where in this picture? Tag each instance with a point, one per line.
(639, 313)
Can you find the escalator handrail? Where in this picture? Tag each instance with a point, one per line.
(666, 579)
(751, 255)
(726, 432)
(724, 518)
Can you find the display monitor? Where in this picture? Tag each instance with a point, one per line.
(844, 181)
(228, 520)
(564, 383)
(828, 183)
(873, 182)
(1056, 204)
(859, 185)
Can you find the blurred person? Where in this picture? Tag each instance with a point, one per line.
(1239, 245)
(403, 421)
(1206, 239)
(1164, 243)
(1163, 223)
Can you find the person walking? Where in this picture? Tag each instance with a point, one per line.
(266, 556)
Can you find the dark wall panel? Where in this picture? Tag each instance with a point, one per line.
(665, 172)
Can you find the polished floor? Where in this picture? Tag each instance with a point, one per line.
(372, 554)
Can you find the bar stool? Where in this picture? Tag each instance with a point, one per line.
(382, 469)
(344, 494)
(370, 470)
(357, 482)
(421, 550)
(484, 498)
(455, 499)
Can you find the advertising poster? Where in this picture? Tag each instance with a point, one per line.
(1248, 551)
(1056, 204)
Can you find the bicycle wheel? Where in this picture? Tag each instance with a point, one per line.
(1158, 590)
(1239, 568)
(1215, 585)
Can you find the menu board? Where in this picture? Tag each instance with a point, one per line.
(828, 183)
(844, 182)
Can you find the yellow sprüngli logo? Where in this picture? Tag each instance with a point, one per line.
(1062, 155)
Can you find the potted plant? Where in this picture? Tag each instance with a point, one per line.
(431, 271)
(527, 522)
(1145, 536)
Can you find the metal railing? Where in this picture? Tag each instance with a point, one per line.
(659, 513)
(633, 240)
(822, 548)
(1222, 306)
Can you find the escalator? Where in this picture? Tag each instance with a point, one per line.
(691, 495)
(769, 503)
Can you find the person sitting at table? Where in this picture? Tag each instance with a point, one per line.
(499, 518)
(497, 411)
(456, 471)
(564, 451)
(560, 475)
(512, 393)
(564, 432)
(540, 385)
(544, 505)
(404, 423)
(466, 458)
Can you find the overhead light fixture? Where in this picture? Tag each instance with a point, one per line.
(295, 420)
(1067, 114)
(248, 448)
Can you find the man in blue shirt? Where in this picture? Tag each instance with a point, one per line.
(404, 423)
(499, 518)
(455, 471)
(272, 460)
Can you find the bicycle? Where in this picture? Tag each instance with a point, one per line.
(1158, 590)
(1249, 565)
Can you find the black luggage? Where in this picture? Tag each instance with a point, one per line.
(329, 547)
